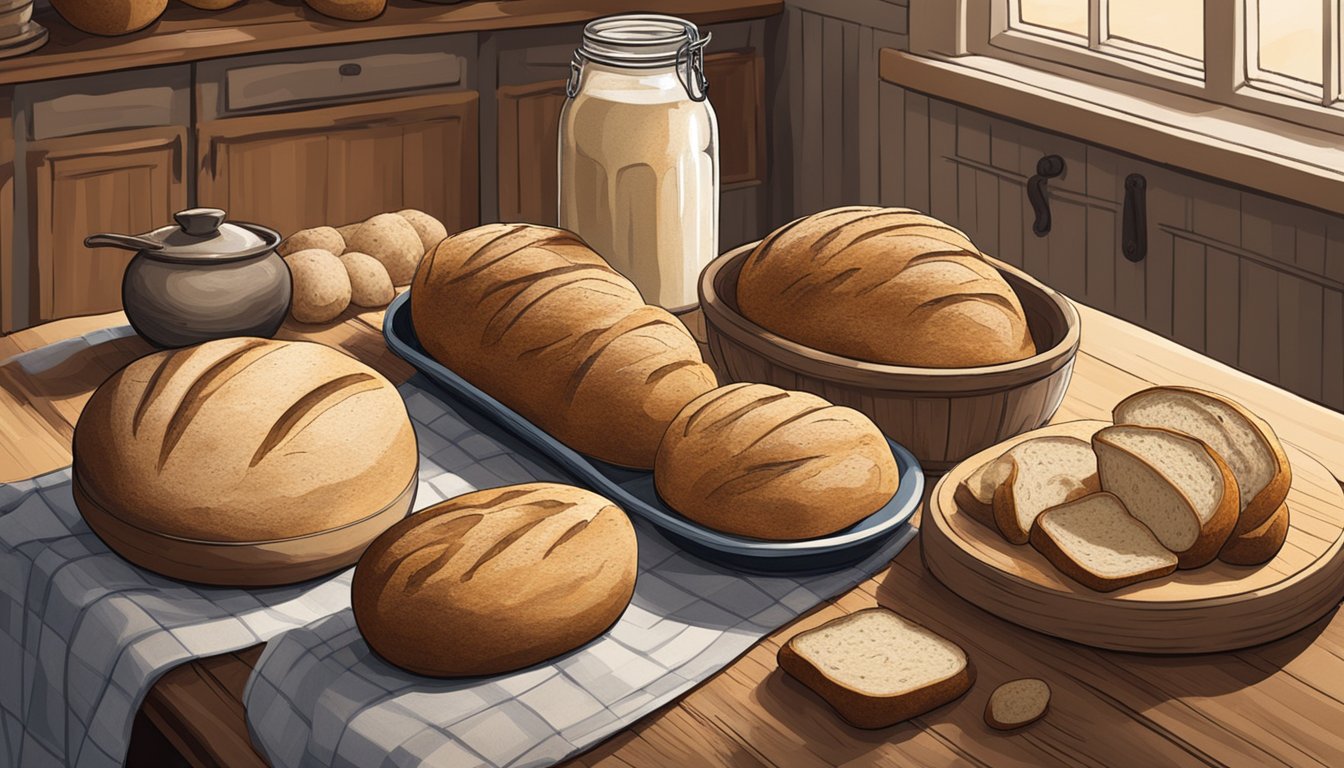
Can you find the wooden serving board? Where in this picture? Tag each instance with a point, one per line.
(1215, 608)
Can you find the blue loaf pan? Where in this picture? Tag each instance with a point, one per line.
(633, 490)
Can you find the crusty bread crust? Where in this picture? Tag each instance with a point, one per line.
(1266, 503)
(755, 460)
(968, 499)
(1258, 545)
(864, 711)
(495, 580)
(887, 285)
(1043, 542)
(1005, 496)
(534, 317)
(1216, 530)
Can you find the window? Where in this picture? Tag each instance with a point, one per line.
(1275, 57)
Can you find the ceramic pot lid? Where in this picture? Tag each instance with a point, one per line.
(203, 233)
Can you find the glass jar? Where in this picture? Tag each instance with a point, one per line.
(639, 153)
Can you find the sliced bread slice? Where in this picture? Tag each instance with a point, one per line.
(1174, 484)
(877, 668)
(1042, 472)
(1243, 440)
(1017, 703)
(1258, 545)
(1097, 543)
(975, 495)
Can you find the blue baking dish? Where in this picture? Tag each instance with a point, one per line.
(634, 491)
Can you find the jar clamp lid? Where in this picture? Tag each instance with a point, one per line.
(644, 41)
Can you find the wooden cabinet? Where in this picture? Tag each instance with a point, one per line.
(341, 164)
(122, 181)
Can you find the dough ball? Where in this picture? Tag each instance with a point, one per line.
(321, 286)
(391, 240)
(431, 230)
(370, 285)
(347, 231)
(325, 238)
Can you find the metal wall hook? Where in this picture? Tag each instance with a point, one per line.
(1048, 167)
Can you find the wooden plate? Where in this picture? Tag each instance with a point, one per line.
(1215, 608)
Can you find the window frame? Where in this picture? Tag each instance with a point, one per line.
(1229, 78)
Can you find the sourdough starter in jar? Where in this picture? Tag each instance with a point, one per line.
(639, 161)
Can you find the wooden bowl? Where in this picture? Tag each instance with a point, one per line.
(942, 415)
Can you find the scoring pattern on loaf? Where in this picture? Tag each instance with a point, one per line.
(534, 317)
(887, 285)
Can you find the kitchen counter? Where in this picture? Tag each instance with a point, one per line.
(1275, 704)
(186, 34)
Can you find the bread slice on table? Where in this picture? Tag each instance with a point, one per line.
(975, 495)
(1042, 472)
(1097, 543)
(1174, 484)
(1258, 545)
(877, 668)
(1017, 703)
(1242, 439)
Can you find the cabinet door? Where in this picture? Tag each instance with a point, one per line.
(343, 164)
(123, 181)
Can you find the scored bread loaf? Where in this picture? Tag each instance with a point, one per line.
(1242, 439)
(877, 668)
(1097, 543)
(495, 580)
(539, 321)
(886, 285)
(1042, 472)
(1257, 545)
(756, 460)
(1174, 484)
(240, 442)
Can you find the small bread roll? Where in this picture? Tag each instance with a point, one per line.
(348, 10)
(211, 5)
(321, 286)
(346, 231)
(431, 230)
(325, 238)
(369, 284)
(391, 240)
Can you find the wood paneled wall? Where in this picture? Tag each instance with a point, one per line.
(1255, 282)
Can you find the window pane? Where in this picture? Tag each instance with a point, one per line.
(1063, 15)
(1172, 25)
(1290, 38)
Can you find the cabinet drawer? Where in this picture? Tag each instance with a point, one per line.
(330, 75)
(277, 84)
(139, 99)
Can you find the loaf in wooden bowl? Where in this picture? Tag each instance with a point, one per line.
(496, 580)
(244, 462)
(755, 460)
(885, 285)
(941, 414)
(536, 319)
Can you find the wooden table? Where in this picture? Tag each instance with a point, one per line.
(1276, 704)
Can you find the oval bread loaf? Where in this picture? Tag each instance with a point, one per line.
(244, 440)
(886, 285)
(495, 580)
(755, 460)
(431, 230)
(604, 373)
(324, 238)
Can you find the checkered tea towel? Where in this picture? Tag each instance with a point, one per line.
(320, 697)
(84, 634)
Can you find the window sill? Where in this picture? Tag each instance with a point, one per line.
(1264, 154)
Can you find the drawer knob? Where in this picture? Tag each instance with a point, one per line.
(350, 70)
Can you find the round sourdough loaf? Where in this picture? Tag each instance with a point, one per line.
(535, 318)
(244, 461)
(495, 580)
(886, 285)
(755, 460)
